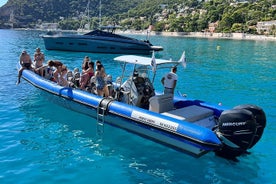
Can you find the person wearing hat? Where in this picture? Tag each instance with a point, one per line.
(39, 60)
(169, 81)
(25, 62)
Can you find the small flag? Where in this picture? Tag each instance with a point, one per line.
(183, 60)
(153, 62)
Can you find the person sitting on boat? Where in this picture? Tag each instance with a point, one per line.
(85, 63)
(169, 81)
(86, 75)
(102, 89)
(38, 61)
(76, 77)
(62, 76)
(49, 73)
(25, 62)
(58, 65)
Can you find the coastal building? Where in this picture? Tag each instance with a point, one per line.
(266, 27)
(212, 27)
(48, 26)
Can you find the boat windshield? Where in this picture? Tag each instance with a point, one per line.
(107, 34)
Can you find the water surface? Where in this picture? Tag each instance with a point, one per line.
(43, 142)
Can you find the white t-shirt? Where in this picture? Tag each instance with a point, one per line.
(169, 80)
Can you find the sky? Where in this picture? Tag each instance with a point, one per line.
(2, 2)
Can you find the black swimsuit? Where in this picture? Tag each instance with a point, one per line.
(27, 65)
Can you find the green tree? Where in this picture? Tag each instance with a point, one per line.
(69, 24)
(137, 24)
(237, 27)
(273, 30)
(160, 26)
(226, 23)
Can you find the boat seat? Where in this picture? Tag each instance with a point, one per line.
(191, 113)
(161, 103)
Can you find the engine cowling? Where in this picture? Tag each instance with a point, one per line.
(260, 117)
(237, 130)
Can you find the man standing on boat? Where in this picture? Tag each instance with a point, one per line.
(39, 60)
(169, 81)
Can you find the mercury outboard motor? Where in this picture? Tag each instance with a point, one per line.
(260, 117)
(239, 129)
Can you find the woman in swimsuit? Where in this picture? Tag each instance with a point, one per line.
(101, 86)
(58, 65)
(62, 76)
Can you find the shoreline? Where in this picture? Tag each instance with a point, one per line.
(207, 35)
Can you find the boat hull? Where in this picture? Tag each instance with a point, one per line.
(82, 43)
(177, 134)
(118, 120)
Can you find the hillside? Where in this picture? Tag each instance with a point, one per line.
(28, 12)
(173, 15)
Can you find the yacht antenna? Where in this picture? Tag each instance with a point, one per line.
(85, 15)
(88, 14)
(100, 14)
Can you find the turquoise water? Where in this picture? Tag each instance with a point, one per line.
(45, 143)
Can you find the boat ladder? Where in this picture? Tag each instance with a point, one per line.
(102, 110)
(100, 120)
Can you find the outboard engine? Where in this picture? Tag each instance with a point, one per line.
(239, 129)
(260, 117)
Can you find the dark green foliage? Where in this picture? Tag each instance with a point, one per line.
(32, 11)
(165, 15)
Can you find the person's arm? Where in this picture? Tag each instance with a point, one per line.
(86, 71)
(84, 63)
(43, 57)
(104, 74)
(30, 60)
(96, 73)
(20, 60)
(162, 80)
(174, 84)
(175, 81)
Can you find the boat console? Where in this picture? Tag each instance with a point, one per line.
(137, 90)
